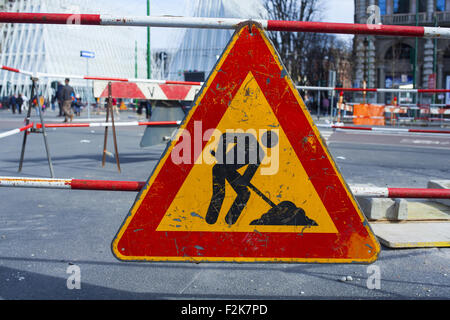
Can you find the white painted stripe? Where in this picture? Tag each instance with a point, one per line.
(9, 133)
(372, 192)
(396, 90)
(436, 32)
(315, 88)
(390, 129)
(175, 22)
(35, 183)
(116, 124)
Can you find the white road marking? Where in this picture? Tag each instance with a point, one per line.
(428, 142)
(326, 134)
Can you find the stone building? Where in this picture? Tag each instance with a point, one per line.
(388, 62)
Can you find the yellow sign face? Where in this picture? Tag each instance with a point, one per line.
(280, 164)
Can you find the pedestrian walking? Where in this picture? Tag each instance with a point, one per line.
(115, 109)
(19, 103)
(67, 94)
(60, 99)
(13, 103)
(326, 105)
(77, 105)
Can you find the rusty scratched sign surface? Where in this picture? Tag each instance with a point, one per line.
(247, 178)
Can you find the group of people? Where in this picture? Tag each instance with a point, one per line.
(68, 102)
(13, 102)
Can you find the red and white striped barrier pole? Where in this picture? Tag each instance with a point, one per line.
(109, 124)
(223, 23)
(376, 192)
(100, 78)
(177, 123)
(15, 131)
(193, 83)
(313, 88)
(75, 184)
(136, 186)
(28, 73)
(387, 129)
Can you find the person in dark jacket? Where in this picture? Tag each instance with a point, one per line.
(13, 103)
(67, 93)
(59, 98)
(19, 103)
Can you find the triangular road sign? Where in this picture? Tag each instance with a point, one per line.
(247, 177)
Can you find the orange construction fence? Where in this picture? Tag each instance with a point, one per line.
(368, 114)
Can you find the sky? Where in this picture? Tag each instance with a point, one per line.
(333, 11)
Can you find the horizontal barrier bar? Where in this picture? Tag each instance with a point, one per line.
(100, 78)
(6, 68)
(177, 123)
(223, 23)
(419, 193)
(386, 129)
(135, 186)
(314, 88)
(15, 131)
(193, 83)
(109, 124)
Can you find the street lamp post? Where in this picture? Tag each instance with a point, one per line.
(88, 55)
(149, 56)
(366, 68)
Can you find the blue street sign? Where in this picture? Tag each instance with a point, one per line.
(87, 54)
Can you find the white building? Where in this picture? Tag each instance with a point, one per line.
(56, 49)
(199, 49)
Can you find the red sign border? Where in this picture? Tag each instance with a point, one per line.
(137, 238)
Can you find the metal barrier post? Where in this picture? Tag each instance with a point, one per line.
(109, 109)
(27, 122)
(44, 133)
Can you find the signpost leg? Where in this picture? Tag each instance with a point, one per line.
(109, 110)
(44, 133)
(27, 122)
(87, 88)
(332, 106)
(114, 131)
(318, 104)
(106, 129)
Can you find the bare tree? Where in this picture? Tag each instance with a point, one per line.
(307, 56)
(290, 45)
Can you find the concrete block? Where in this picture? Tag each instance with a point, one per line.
(412, 234)
(427, 210)
(381, 209)
(375, 208)
(401, 209)
(440, 184)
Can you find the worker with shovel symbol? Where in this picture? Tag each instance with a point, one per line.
(246, 151)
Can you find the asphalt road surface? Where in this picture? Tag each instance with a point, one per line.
(45, 232)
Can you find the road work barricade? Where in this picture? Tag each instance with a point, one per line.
(368, 114)
(168, 99)
(313, 217)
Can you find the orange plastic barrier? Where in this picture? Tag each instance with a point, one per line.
(367, 114)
